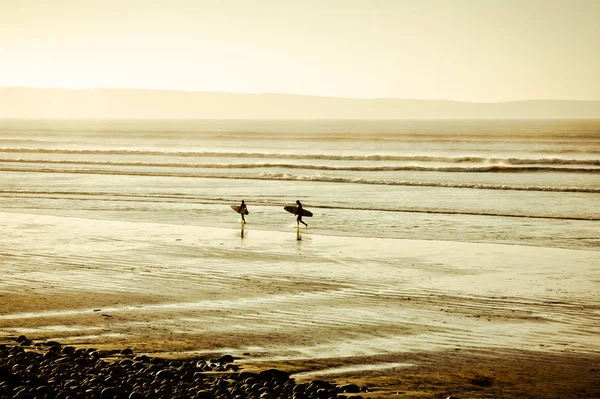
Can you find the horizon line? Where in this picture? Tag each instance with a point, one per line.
(289, 94)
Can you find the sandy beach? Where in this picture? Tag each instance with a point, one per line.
(407, 318)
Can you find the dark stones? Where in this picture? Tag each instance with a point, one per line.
(64, 372)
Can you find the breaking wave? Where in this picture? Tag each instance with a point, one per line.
(333, 157)
(386, 168)
(285, 176)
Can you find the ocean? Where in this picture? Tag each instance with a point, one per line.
(426, 235)
(514, 182)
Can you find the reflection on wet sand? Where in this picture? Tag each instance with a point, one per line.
(193, 289)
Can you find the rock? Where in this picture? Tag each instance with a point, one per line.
(319, 384)
(113, 393)
(273, 374)
(482, 381)
(5, 375)
(81, 361)
(246, 374)
(205, 394)
(21, 338)
(68, 350)
(165, 374)
(62, 372)
(349, 388)
(24, 395)
(43, 390)
(225, 359)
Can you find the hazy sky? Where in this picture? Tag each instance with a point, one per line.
(470, 50)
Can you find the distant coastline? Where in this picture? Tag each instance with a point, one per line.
(22, 102)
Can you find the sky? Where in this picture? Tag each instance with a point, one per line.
(465, 50)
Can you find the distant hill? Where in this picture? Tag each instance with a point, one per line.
(18, 102)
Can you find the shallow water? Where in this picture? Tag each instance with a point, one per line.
(514, 181)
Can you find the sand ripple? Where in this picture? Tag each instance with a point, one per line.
(193, 289)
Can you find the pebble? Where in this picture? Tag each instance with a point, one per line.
(50, 370)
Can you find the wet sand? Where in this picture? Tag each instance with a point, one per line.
(406, 318)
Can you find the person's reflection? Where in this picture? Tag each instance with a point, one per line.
(298, 235)
(242, 231)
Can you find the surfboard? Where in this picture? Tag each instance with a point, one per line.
(292, 209)
(236, 208)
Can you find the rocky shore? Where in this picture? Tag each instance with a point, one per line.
(49, 370)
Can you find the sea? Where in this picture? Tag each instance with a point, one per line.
(522, 182)
(426, 235)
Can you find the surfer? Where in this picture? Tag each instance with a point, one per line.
(243, 210)
(299, 213)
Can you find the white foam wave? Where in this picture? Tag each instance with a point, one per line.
(286, 176)
(350, 157)
(387, 168)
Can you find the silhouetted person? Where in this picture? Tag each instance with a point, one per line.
(299, 213)
(243, 210)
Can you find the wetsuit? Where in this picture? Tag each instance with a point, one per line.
(242, 211)
(299, 214)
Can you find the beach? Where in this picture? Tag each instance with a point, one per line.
(324, 306)
(412, 283)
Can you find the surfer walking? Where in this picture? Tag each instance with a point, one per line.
(243, 210)
(299, 213)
